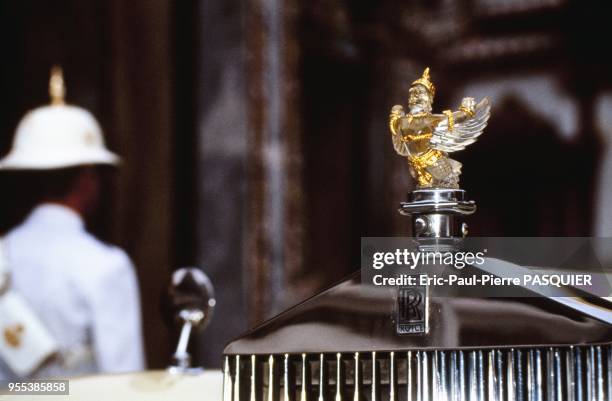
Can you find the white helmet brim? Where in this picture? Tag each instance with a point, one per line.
(50, 160)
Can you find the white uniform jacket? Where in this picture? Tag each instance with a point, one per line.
(84, 291)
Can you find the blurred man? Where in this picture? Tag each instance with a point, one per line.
(83, 291)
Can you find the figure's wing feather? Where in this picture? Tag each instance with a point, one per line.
(463, 133)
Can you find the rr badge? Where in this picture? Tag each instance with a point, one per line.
(412, 310)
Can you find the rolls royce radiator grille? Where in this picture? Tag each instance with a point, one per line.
(580, 373)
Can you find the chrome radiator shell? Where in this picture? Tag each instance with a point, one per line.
(352, 317)
(506, 349)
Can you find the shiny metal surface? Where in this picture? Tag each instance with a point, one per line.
(227, 379)
(436, 200)
(342, 344)
(578, 373)
(192, 299)
(273, 380)
(476, 349)
(235, 384)
(190, 289)
(435, 212)
(357, 378)
(351, 317)
(305, 379)
(339, 377)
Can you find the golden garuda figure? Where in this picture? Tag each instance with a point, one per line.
(426, 138)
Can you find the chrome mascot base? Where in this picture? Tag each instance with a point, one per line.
(438, 212)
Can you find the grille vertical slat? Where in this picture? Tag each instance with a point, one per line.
(419, 381)
(435, 376)
(481, 376)
(254, 377)
(578, 375)
(443, 390)
(227, 379)
(600, 375)
(473, 376)
(454, 377)
(558, 376)
(375, 379)
(305, 379)
(357, 378)
(550, 375)
(425, 378)
(570, 382)
(492, 377)
(409, 376)
(520, 384)
(463, 379)
(591, 374)
(455, 384)
(510, 369)
(273, 393)
(340, 382)
(237, 387)
(539, 390)
(392, 377)
(530, 377)
(573, 373)
(499, 371)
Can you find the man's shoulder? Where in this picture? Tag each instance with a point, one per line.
(81, 250)
(100, 254)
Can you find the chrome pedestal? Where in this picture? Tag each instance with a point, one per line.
(438, 212)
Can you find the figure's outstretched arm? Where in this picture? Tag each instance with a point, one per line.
(465, 112)
(467, 109)
(397, 112)
(453, 134)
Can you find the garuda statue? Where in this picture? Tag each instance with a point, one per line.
(426, 139)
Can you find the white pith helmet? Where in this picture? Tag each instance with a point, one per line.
(57, 136)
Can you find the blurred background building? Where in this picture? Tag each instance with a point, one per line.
(255, 137)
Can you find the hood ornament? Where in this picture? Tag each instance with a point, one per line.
(426, 139)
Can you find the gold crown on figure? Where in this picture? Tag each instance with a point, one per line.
(424, 81)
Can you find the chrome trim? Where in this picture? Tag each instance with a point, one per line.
(288, 379)
(357, 378)
(305, 378)
(374, 380)
(392, 377)
(570, 373)
(236, 394)
(339, 377)
(272, 382)
(227, 379)
(322, 377)
(253, 379)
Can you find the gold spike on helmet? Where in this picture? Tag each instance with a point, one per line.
(424, 81)
(57, 89)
